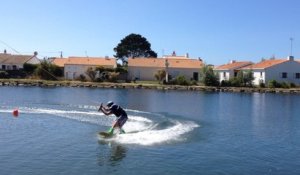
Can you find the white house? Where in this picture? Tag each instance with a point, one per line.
(16, 62)
(281, 70)
(76, 66)
(230, 70)
(146, 68)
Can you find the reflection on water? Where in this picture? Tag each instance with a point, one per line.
(110, 153)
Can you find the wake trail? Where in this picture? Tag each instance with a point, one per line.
(143, 128)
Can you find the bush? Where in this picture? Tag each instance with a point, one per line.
(48, 71)
(262, 85)
(160, 75)
(273, 84)
(113, 76)
(82, 77)
(292, 85)
(208, 77)
(30, 68)
(225, 83)
(91, 73)
(181, 80)
(284, 85)
(235, 82)
(3, 74)
(194, 82)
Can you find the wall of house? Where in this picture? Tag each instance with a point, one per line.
(290, 67)
(259, 77)
(11, 66)
(228, 74)
(142, 73)
(147, 74)
(187, 73)
(72, 72)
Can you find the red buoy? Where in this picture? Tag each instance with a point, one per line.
(16, 113)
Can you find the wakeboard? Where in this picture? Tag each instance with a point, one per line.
(105, 134)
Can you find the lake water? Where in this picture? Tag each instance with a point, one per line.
(168, 132)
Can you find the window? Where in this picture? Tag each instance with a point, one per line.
(3, 67)
(261, 74)
(224, 74)
(283, 75)
(297, 75)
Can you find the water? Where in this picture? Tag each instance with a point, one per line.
(168, 132)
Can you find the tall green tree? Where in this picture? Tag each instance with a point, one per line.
(132, 46)
(208, 77)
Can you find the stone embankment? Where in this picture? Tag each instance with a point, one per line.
(43, 83)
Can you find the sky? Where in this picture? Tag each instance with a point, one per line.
(217, 31)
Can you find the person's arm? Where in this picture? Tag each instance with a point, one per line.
(105, 110)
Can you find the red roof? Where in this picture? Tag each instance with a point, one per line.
(233, 65)
(161, 63)
(93, 61)
(266, 64)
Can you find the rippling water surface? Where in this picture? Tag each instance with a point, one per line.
(168, 132)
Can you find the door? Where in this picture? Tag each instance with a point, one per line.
(196, 76)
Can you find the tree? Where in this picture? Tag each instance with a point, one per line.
(248, 78)
(133, 45)
(91, 73)
(160, 75)
(48, 71)
(208, 77)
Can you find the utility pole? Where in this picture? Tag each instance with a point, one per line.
(167, 71)
(291, 46)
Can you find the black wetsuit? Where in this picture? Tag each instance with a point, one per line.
(119, 113)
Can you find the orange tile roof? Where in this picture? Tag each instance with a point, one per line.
(93, 61)
(265, 64)
(175, 57)
(234, 65)
(160, 63)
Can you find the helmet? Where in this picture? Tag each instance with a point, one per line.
(109, 103)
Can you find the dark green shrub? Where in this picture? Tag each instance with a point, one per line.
(273, 84)
(292, 85)
(284, 85)
(3, 74)
(262, 85)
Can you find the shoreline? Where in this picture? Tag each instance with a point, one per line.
(46, 83)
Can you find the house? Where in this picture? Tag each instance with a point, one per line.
(76, 66)
(281, 70)
(146, 68)
(16, 62)
(230, 70)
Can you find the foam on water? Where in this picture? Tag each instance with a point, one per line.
(156, 136)
(141, 127)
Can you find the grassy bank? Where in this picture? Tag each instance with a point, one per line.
(140, 85)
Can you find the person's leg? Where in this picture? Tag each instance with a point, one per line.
(121, 122)
(114, 125)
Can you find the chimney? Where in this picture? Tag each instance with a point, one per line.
(4, 51)
(290, 58)
(174, 54)
(232, 61)
(35, 53)
(187, 55)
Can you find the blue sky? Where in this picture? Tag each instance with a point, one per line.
(215, 30)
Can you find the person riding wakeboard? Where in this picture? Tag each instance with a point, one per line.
(118, 111)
